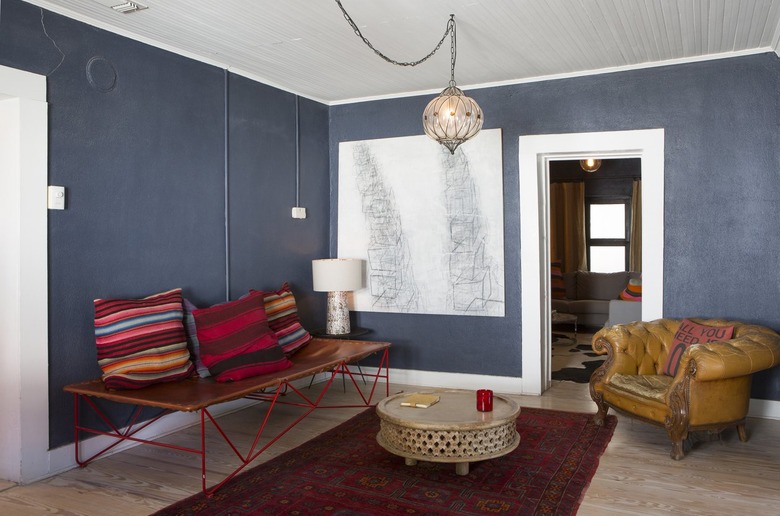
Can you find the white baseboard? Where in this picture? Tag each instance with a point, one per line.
(504, 384)
(767, 409)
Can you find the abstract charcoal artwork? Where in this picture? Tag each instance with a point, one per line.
(430, 225)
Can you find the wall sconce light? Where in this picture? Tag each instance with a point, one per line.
(337, 277)
(590, 164)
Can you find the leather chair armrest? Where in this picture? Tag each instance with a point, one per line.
(616, 341)
(751, 352)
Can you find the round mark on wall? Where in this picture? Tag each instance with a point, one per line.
(101, 74)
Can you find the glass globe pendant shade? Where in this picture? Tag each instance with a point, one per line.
(452, 118)
(590, 164)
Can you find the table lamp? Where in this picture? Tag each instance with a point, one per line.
(337, 276)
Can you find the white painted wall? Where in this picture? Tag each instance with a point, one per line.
(24, 367)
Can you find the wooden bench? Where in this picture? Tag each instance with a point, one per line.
(198, 394)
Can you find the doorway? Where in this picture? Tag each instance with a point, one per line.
(535, 154)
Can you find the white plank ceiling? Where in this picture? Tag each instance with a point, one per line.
(307, 47)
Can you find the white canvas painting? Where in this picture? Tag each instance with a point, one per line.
(429, 225)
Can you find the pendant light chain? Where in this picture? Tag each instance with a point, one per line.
(452, 117)
(453, 49)
(450, 29)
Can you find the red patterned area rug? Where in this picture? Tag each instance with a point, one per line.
(345, 471)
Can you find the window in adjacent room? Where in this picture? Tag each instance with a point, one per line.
(607, 225)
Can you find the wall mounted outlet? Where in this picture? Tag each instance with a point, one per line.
(56, 198)
(298, 212)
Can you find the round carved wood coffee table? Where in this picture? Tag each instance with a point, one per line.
(452, 430)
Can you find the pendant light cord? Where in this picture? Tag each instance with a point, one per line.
(450, 31)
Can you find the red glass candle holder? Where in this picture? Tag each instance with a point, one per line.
(484, 400)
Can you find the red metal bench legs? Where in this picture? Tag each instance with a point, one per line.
(278, 397)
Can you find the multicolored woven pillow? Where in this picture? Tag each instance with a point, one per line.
(141, 342)
(633, 291)
(235, 340)
(282, 312)
(688, 334)
(557, 285)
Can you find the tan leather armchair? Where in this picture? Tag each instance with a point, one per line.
(711, 390)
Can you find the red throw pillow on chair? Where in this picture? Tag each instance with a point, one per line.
(688, 334)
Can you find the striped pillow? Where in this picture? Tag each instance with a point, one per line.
(235, 340)
(633, 291)
(558, 287)
(283, 319)
(141, 342)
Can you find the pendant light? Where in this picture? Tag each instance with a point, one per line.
(452, 117)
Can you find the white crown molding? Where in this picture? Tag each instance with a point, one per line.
(555, 77)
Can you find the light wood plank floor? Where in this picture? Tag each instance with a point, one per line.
(635, 475)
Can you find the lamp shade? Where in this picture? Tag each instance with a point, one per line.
(337, 275)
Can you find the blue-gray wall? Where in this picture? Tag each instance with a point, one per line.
(142, 155)
(722, 196)
(144, 160)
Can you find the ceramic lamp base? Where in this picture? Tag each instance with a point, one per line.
(338, 314)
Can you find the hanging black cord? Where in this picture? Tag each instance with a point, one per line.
(450, 29)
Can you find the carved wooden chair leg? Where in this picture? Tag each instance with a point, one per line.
(742, 432)
(678, 452)
(679, 437)
(598, 399)
(597, 378)
(601, 415)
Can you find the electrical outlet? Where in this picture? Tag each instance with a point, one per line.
(56, 198)
(298, 212)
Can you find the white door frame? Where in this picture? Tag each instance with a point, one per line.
(24, 340)
(535, 153)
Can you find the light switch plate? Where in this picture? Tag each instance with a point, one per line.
(56, 197)
(298, 212)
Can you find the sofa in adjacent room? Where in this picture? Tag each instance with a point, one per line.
(588, 294)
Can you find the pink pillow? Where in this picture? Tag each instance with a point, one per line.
(235, 340)
(690, 333)
(633, 291)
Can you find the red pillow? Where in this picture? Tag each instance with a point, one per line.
(235, 340)
(690, 333)
(558, 288)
